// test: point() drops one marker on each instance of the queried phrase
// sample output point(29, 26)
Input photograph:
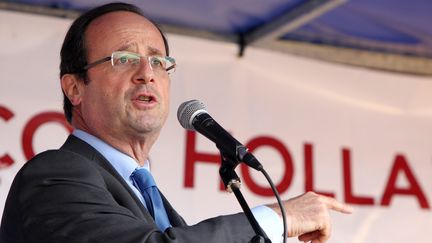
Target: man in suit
point(115, 68)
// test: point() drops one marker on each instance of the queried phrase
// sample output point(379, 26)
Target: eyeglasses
point(126, 60)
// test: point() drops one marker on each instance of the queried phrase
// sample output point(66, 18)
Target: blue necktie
point(145, 183)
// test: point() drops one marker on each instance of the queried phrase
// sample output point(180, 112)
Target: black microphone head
point(187, 112)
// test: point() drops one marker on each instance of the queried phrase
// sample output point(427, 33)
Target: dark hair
point(73, 53)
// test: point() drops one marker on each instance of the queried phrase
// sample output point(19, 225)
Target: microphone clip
point(228, 175)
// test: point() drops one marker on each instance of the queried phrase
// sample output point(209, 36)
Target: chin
point(148, 128)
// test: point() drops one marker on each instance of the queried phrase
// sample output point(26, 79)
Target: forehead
point(122, 31)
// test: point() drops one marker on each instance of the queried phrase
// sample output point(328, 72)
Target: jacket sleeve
point(63, 197)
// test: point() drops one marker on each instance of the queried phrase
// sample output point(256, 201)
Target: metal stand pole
point(232, 184)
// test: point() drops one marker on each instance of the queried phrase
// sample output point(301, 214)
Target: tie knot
point(143, 178)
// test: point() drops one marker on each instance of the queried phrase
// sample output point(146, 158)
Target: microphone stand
point(232, 184)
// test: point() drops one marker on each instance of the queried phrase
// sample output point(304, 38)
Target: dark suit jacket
point(73, 195)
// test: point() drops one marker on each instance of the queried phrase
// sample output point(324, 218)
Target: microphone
point(193, 115)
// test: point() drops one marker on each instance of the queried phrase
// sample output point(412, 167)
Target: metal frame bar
point(291, 20)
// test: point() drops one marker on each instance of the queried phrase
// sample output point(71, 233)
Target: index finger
point(337, 206)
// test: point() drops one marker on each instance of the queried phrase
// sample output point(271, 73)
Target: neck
point(137, 147)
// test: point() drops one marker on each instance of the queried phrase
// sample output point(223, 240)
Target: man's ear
point(73, 88)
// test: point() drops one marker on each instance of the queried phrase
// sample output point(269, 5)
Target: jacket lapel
point(115, 183)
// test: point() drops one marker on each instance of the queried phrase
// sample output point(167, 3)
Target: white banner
point(361, 136)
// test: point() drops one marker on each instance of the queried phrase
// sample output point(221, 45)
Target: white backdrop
point(363, 136)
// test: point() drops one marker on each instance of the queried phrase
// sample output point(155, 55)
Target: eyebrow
point(126, 47)
point(151, 50)
point(154, 51)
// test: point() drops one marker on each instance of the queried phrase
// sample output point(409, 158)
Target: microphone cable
point(281, 206)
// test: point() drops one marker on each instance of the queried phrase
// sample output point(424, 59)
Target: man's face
point(127, 103)
point(124, 104)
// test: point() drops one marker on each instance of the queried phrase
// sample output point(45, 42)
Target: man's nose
point(144, 73)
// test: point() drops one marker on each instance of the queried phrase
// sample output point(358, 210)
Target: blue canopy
point(386, 34)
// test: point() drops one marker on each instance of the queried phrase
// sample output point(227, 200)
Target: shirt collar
point(122, 163)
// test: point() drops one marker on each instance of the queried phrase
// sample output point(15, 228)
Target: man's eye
point(127, 60)
point(157, 62)
point(123, 60)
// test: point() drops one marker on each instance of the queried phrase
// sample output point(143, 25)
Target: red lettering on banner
point(288, 170)
point(34, 123)
point(6, 160)
point(349, 196)
point(401, 166)
point(309, 175)
point(5, 113)
point(193, 157)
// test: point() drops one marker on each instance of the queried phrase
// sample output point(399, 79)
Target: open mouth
point(145, 98)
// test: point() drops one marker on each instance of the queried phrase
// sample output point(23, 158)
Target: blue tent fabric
point(396, 27)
